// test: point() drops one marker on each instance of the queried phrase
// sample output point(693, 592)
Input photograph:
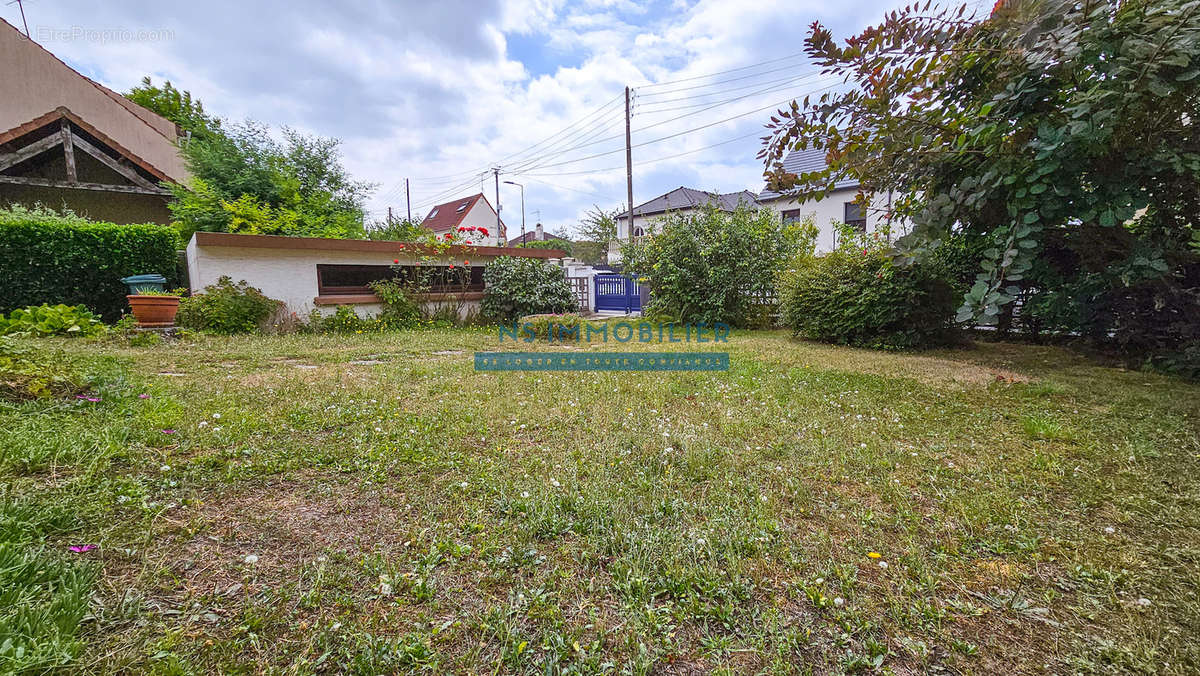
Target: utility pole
point(499, 228)
point(408, 200)
point(389, 215)
point(628, 163)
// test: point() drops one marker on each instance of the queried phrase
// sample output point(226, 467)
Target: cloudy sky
point(439, 92)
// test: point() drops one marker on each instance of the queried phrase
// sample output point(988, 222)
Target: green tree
point(175, 105)
point(598, 225)
point(245, 181)
point(1062, 132)
point(711, 266)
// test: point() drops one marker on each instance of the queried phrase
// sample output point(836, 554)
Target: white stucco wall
point(289, 275)
point(826, 212)
point(480, 215)
point(647, 223)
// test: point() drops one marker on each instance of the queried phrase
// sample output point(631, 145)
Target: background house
point(538, 234)
point(678, 201)
point(67, 141)
point(838, 207)
point(467, 212)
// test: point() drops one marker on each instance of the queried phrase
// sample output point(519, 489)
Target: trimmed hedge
point(49, 258)
point(859, 297)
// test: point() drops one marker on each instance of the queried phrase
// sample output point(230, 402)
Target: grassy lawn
point(370, 503)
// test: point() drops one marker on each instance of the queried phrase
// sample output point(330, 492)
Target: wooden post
point(68, 151)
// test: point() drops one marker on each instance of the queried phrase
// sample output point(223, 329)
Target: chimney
point(537, 229)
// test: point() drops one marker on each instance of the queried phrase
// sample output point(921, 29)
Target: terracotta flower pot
point(154, 312)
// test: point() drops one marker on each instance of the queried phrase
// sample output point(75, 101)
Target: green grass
point(1032, 512)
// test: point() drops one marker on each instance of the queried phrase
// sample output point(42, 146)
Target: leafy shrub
point(525, 286)
point(859, 296)
point(715, 267)
point(29, 373)
point(49, 258)
point(344, 320)
point(226, 308)
point(52, 320)
point(400, 306)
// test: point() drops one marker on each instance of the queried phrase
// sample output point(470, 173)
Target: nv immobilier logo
point(621, 333)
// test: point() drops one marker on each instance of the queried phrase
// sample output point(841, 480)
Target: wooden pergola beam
point(32, 150)
point(109, 162)
point(102, 187)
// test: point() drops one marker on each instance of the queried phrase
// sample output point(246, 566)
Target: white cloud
point(435, 91)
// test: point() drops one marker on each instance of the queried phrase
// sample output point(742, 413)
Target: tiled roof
point(447, 216)
point(689, 198)
point(804, 162)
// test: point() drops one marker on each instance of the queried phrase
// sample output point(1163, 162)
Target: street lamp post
point(522, 187)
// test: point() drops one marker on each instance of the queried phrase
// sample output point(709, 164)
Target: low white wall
point(289, 275)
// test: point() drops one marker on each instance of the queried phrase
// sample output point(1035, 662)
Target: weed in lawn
point(415, 515)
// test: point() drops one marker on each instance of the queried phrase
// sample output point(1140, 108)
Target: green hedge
point(49, 258)
point(860, 297)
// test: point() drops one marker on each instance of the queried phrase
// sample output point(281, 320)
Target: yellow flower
point(874, 555)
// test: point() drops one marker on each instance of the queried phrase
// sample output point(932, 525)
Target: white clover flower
point(1110, 530)
point(165, 468)
point(216, 416)
point(524, 494)
point(554, 482)
point(251, 559)
point(839, 602)
point(883, 565)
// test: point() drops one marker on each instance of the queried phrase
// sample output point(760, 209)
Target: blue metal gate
point(617, 292)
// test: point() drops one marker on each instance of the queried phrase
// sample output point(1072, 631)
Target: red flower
point(395, 260)
point(452, 266)
point(483, 231)
point(448, 235)
point(461, 228)
point(466, 262)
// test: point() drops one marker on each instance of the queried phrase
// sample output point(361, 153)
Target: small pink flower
point(93, 399)
point(143, 396)
point(168, 431)
point(79, 549)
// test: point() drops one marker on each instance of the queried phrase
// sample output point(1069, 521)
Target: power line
point(722, 72)
point(651, 95)
point(785, 80)
point(657, 159)
point(658, 124)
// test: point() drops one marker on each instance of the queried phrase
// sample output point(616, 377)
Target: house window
point(345, 280)
point(793, 216)
point(854, 216)
point(638, 233)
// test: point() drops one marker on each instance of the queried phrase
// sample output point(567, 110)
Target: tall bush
point(713, 266)
point(857, 295)
point(51, 258)
point(525, 286)
point(227, 308)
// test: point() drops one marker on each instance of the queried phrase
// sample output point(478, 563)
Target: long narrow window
point(342, 280)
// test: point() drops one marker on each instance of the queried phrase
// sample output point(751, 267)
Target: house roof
point(38, 86)
point(804, 162)
point(690, 198)
point(448, 215)
point(531, 236)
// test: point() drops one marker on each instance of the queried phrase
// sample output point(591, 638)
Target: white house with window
point(837, 207)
